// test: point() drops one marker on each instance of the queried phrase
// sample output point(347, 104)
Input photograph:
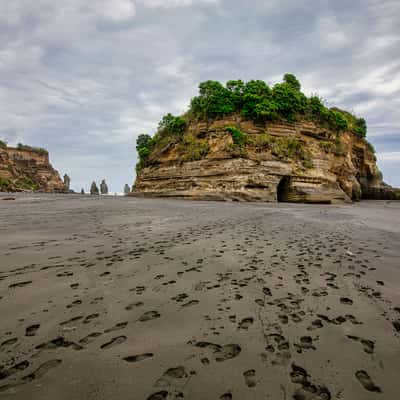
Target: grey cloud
point(84, 80)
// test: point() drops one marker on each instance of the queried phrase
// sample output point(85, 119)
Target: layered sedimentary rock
point(27, 169)
point(329, 169)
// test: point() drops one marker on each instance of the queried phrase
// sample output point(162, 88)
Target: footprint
point(149, 315)
point(42, 370)
point(8, 342)
point(90, 338)
point(368, 345)
point(19, 284)
point(226, 396)
point(117, 327)
point(366, 381)
point(5, 373)
point(113, 342)
point(31, 330)
point(170, 375)
point(250, 378)
point(137, 304)
point(159, 395)
point(228, 351)
point(139, 357)
point(190, 303)
point(58, 342)
point(90, 318)
point(245, 323)
point(346, 300)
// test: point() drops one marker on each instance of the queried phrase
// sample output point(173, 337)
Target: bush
point(4, 183)
point(214, 101)
point(288, 101)
point(239, 138)
point(336, 120)
point(3, 144)
point(307, 163)
point(360, 127)
point(144, 146)
point(171, 125)
point(292, 81)
point(193, 149)
point(38, 150)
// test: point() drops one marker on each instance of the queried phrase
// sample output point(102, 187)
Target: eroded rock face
point(67, 183)
point(94, 189)
point(334, 171)
point(22, 170)
point(103, 187)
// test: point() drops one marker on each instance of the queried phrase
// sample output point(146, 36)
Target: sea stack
point(250, 142)
point(94, 190)
point(103, 187)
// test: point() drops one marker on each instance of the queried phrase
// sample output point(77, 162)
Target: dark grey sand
point(124, 298)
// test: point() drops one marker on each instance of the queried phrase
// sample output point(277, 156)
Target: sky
point(83, 78)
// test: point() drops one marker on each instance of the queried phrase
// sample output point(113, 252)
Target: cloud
point(84, 79)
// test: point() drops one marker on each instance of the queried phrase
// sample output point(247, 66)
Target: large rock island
point(26, 168)
point(246, 141)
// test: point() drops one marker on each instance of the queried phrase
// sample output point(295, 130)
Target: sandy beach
point(127, 298)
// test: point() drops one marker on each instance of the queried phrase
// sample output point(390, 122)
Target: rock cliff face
point(295, 162)
point(27, 169)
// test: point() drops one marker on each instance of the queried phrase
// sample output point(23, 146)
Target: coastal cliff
point(314, 155)
point(26, 168)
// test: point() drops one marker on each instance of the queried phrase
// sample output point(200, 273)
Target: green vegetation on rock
point(3, 144)
point(193, 149)
point(38, 150)
point(255, 101)
point(4, 183)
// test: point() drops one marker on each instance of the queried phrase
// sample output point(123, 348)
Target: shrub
point(288, 101)
point(144, 146)
point(261, 142)
point(193, 149)
point(337, 120)
point(171, 125)
point(360, 127)
point(239, 138)
point(213, 101)
point(4, 183)
point(236, 151)
point(292, 81)
point(307, 163)
point(3, 144)
point(38, 150)
point(315, 106)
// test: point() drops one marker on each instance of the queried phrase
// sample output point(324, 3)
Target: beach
point(105, 297)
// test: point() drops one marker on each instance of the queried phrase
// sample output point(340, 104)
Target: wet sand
point(124, 298)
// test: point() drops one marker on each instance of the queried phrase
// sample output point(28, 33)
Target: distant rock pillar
point(67, 182)
point(82, 191)
point(103, 187)
point(94, 189)
point(127, 189)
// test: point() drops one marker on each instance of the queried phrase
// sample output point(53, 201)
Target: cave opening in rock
point(283, 188)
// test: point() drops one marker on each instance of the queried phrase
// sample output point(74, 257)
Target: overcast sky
point(83, 78)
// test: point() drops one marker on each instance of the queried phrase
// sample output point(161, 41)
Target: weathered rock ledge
point(27, 170)
point(330, 175)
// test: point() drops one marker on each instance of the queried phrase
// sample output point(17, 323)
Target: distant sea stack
point(26, 168)
point(250, 142)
